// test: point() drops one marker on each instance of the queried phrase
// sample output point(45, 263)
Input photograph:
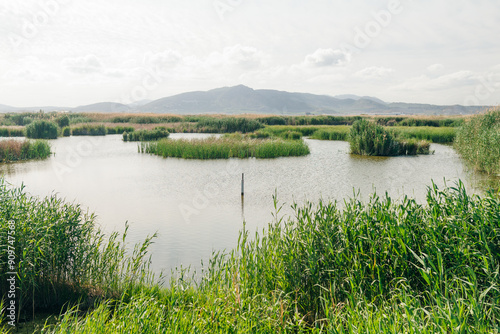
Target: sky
point(75, 52)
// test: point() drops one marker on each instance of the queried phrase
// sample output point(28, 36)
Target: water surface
point(196, 206)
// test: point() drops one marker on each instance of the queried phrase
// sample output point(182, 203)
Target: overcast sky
point(74, 52)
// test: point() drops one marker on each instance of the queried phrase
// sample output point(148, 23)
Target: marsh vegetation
point(15, 150)
point(228, 146)
point(375, 266)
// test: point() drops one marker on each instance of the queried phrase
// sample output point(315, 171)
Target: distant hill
point(103, 107)
point(243, 99)
point(239, 99)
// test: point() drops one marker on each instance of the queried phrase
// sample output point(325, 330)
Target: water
point(196, 206)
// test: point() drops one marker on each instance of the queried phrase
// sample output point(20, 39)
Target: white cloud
point(435, 68)
point(243, 57)
point(162, 60)
point(83, 65)
point(326, 57)
point(374, 72)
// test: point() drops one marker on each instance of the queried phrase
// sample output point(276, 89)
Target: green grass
point(15, 150)
point(478, 142)
point(380, 266)
point(61, 258)
point(146, 135)
point(118, 130)
point(11, 132)
point(339, 132)
point(89, 130)
point(443, 135)
point(234, 146)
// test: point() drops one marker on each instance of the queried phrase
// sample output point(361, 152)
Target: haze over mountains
point(242, 99)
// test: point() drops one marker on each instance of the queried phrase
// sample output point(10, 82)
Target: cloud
point(244, 57)
point(326, 58)
point(374, 72)
point(435, 68)
point(83, 65)
point(163, 60)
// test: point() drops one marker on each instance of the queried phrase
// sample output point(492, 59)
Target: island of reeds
point(380, 266)
point(146, 135)
point(225, 147)
point(16, 150)
point(368, 138)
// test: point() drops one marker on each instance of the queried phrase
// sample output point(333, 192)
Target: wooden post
point(242, 184)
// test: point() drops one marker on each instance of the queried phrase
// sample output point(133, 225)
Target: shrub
point(41, 130)
point(62, 121)
point(66, 132)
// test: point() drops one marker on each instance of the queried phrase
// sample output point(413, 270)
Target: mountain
point(5, 108)
point(241, 99)
point(103, 107)
point(357, 97)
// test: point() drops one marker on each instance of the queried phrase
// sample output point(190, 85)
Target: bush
point(66, 132)
point(63, 121)
point(41, 130)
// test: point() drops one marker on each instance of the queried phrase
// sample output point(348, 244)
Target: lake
point(196, 206)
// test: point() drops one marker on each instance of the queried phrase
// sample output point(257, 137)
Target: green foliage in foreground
point(60, 257)
point(371, 267)
point(234, 146)
point(478, 142)
point(41, 130)
point(368, 138)
point(89, 130)
point(146, 135)
point(15, 150)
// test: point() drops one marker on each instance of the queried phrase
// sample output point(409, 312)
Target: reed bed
point(339, 132)
point(11, 132)
point(118, 130)
point(15, 150)
point(478, 142)
point(61, 257)
point(368, 138)
point(146, 135)
point(89, 130)
point(381, 266)
point(235, 146)
point(443, 135)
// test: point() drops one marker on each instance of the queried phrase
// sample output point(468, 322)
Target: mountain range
point(242, 99)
